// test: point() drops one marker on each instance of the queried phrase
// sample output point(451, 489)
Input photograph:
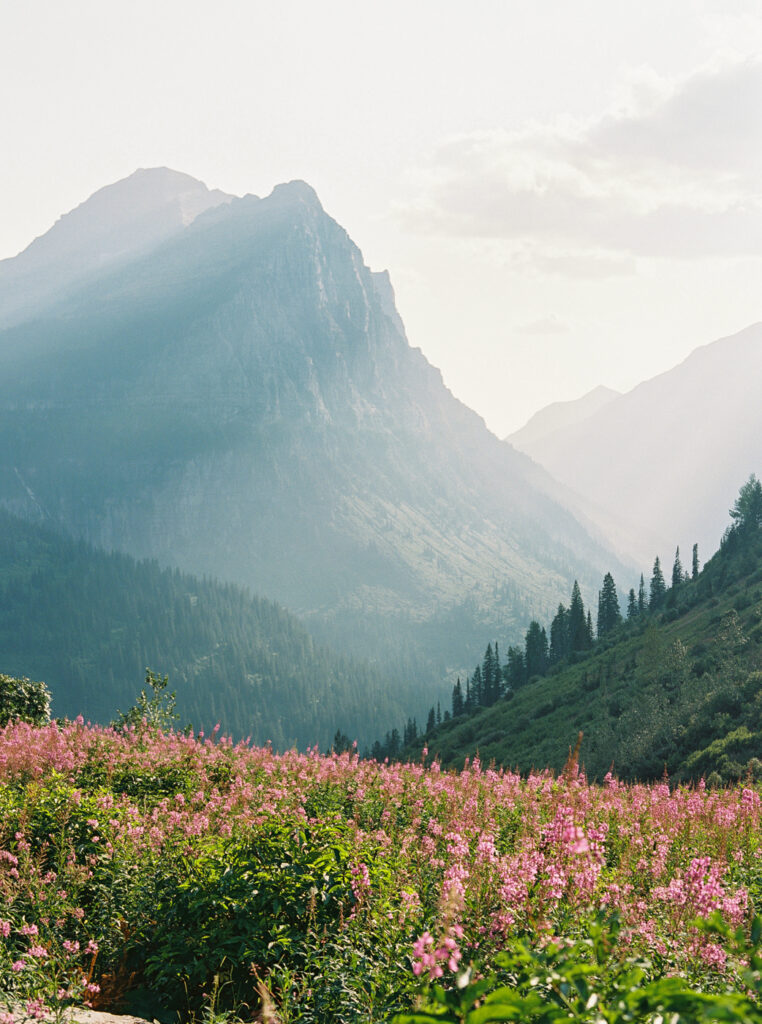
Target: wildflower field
point(218, 879)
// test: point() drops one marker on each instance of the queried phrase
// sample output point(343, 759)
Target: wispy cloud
point(674, 171)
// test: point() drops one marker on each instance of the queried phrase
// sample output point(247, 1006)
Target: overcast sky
point(565, 193)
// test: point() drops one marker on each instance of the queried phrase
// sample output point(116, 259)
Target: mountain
point(677, 689)
point(652, 468)
point(239, 399)
point(116, 223)
point(559, 416)
point(88, 623)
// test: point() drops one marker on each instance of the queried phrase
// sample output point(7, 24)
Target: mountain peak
point(119, 221)
point(133, 213)
point(296, 191)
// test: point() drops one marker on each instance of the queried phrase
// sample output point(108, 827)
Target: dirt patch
point(84, 1016)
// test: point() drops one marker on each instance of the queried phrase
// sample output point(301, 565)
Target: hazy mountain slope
point(114, 224)
point(560, 416)
point(679, 689)
point(242, 401)
point(657, 463)
point(88, 623)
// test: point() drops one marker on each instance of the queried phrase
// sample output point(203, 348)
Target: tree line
point(572, 635)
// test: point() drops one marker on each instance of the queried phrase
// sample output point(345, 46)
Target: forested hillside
point(672, 684)
point(88, 623)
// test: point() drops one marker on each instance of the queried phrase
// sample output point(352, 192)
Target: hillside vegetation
point(88, 623)
point(677, 688)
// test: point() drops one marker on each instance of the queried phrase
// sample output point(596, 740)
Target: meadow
point(216, 881)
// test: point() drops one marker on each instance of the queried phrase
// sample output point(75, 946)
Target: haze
point(564, 195)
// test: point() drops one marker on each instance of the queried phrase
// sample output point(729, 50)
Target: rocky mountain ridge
point(241, 400)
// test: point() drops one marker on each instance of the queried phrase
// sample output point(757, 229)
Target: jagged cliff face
point(241, 400)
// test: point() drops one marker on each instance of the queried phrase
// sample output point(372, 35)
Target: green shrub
point(23, 699)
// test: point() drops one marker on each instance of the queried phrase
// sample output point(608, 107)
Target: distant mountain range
point(653, 468)
point(560, 416)
point(223, 385)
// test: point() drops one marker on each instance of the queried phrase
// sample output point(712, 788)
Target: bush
point(23, 700)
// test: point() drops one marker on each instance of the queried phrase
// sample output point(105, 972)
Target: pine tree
point(439, 714)
point(431, 720)
point(609, 615)
point(642, 603)
point(695, 563)
point(658, 587)
point(536, 650)
point(490, 678)
point(579, 634)
point(559, 635)
point(677, 570)
point(632, 605)
point(477, 688)
point(457, 700)
point(747, 510)
point(515, 669)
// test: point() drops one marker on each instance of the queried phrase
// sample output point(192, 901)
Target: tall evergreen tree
point(477, 688)
point(642, 603)
point(746, 513)
point(695, 563)
point(658, 587)
point(457, 700)
point(579, 635)
point(559, 635)
point(677, 570)
point(632, 605)
point(490, 678)
point(536, 650)
point(609, 615)
point(515, 669)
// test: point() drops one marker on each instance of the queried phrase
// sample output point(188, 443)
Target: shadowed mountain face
point(654, 467)
point(240, 400)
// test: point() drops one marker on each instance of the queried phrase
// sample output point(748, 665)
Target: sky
point(564, 194)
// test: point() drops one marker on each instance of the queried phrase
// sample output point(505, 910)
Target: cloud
point(710, 122)
point(674, 172)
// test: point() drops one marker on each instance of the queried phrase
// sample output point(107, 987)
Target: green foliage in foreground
point(220, 879)
point(594, 980)
point(24, 700)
